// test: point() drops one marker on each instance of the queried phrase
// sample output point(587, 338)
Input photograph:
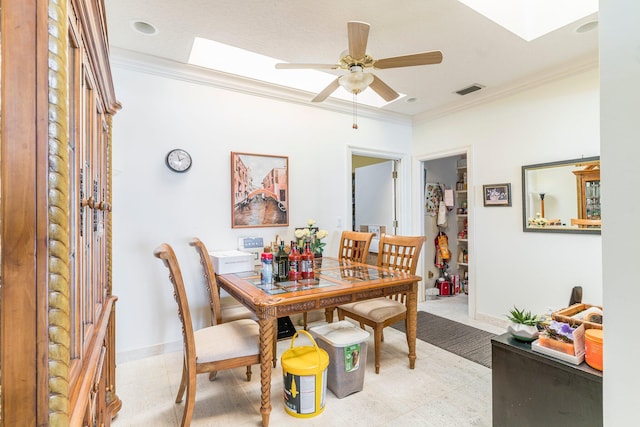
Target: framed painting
point(497, 194)
point(259, 190)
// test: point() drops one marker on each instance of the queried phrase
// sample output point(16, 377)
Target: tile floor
point(443, 390)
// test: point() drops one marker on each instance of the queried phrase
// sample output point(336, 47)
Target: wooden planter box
point(565, 315)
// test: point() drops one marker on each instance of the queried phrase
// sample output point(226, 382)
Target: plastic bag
point(442, 215)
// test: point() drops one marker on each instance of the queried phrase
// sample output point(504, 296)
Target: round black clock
point(178, 160)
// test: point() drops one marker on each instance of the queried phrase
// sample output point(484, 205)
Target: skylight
point(228, 59)
point(530, 19)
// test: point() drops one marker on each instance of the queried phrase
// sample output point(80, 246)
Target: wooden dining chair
point(354, 245)
point(219, 312)
point(396, 253)
point(211, 349)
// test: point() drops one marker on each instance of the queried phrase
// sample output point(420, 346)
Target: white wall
point(555, 121)
point(153, 205)
point(620, 70)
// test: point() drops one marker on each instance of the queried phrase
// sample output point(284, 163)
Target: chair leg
point(191, 401)
point(248, 372)
point(340, 314)
point(183, 382)
point(377, 341)
point(212, 375)
point(304, 320)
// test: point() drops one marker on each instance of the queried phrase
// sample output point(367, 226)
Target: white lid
point(230, 253)
point(340, 333)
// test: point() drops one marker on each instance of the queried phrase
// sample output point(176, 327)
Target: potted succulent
point(523, 325)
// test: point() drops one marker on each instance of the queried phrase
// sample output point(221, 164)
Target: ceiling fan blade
point(287, 66)
point(358, 33)
point(327, 91)
point(425, 58)
point(382, 89)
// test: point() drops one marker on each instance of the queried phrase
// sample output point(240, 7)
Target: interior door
point(374, 196)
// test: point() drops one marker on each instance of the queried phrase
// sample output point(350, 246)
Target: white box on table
point(225, 262)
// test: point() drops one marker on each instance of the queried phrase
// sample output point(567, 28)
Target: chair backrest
point(400, 252)
point(168, 256)
point(354, 245)
point(210, 278)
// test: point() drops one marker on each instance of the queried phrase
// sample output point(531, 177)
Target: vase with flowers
point(313, 235)
point(538, 221)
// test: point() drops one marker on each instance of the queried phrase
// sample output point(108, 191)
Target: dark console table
point(532, 389)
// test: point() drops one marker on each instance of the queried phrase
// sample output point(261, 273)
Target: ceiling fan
point(356, 61)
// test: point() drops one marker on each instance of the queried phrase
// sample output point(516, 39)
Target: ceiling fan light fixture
point(356, 81)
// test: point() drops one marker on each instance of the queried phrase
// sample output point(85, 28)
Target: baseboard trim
point(142, 353)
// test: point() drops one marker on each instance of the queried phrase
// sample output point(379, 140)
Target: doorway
point(374, 191)
point(449, 171)
point(378, 197)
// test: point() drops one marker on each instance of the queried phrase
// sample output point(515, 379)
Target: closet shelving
point(462, 260)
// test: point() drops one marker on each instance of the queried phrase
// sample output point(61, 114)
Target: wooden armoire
point(57, 311)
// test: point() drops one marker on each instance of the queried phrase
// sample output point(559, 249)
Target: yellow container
point(304, 371)
point(593, 348)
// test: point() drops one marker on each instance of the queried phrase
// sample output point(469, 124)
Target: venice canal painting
point(259, 190)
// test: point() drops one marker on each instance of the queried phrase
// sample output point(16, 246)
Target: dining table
point(335, 282)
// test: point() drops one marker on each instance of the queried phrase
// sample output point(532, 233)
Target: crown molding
point(194, 74)
point(488, 95)
point(162, 67)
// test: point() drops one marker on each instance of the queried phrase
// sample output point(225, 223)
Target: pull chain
point(355, 111)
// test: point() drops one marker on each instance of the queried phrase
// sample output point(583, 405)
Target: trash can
point(304, 372)
point(346, 345)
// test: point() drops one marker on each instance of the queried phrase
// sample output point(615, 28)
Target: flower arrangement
point(538, 221)
point(312, 235)
point(559, 331)
point(563, 337)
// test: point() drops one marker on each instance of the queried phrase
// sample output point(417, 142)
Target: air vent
point(469, 89)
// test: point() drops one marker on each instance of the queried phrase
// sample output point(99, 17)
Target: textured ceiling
point(475, 49)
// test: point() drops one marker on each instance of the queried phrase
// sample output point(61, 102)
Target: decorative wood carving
point(334, 301)
point(81, 343)
point(297, 308)
point(374, 293)
point(59, 248)
point(398, 289)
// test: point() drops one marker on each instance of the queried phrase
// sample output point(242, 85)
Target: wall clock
point(178, 160)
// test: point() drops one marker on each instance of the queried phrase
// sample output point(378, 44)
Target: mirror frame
point(527, 229)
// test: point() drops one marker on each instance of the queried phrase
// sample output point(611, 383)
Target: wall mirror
point(562, 197)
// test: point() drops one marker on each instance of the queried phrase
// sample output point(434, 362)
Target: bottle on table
point(294, 263)
point(267, 268)
point(281, 268)
point(306, 262)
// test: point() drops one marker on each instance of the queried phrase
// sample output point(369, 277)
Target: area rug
point(465, 341)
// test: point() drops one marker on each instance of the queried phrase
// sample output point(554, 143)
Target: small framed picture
point(497, 194)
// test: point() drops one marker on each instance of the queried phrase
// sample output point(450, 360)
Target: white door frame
point(419, 212)
point(403, 200)
point(404, 170)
